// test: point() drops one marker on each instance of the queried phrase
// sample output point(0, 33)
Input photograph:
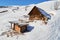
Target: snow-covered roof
point(44, 13)
point(19, 23)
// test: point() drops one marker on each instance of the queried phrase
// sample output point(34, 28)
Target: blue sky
point(19, 2)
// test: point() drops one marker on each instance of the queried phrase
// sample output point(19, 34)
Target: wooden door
point(17, 28)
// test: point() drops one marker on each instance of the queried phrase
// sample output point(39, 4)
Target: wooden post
point(11, 25)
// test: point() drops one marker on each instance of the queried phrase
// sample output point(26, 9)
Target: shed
point(19, 27)
point(38, 14)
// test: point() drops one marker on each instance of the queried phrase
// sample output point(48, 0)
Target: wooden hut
point(38, 14)
point(20, 28)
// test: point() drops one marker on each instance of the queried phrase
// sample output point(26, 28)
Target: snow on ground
point(39, 31)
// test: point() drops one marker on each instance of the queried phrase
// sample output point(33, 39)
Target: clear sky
point(19, 2)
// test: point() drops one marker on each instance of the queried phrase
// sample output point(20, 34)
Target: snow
point(39, 31)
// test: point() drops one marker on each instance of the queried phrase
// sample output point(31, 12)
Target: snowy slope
point(40, 31)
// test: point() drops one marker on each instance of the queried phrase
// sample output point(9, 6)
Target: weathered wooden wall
point(35, 14)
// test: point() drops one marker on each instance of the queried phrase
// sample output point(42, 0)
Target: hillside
point(51, 31)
